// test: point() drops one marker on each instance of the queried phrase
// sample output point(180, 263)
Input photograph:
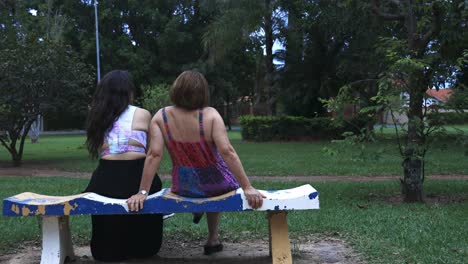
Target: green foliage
point(459, 98)
point(38, 79)
point(39, 73)
point(448, 118)
point(361, 152)
point(155, 97)
point(325, 50)
point(268, 128)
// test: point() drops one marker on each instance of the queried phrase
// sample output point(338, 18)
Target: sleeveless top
point(198, 170)
point(118, 137)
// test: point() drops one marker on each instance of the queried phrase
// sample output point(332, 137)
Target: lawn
point(272, 158)
point(358, 212)
point(449, 129)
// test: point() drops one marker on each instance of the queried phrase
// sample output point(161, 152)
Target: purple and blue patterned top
point(198, 170)
point(117, 140)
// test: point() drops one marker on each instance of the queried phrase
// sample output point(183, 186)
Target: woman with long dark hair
point(117, 134)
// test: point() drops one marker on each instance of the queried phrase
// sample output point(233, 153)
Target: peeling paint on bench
point(30, 204)
point(55, 211)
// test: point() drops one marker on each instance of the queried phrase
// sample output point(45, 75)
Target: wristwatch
point(143, 192)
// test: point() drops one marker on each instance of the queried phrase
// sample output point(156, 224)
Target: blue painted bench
point(55, 211)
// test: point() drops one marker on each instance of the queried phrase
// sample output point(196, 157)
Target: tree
point(37, 78)
point(416, 63)
point(459, 98)
point(328, 44)
point(252, 25)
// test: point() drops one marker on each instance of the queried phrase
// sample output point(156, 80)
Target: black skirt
point(120, 237)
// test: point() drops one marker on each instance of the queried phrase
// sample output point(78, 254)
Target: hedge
point(272, 128)
point(449, 118)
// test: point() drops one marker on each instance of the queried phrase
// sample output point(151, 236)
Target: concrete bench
point(55, 211)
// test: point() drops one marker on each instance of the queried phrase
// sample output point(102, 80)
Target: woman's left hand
point(254, 197)
point(135, 202)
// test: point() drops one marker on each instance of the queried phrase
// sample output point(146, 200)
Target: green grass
point(457, 129)
point(272, 158)
point(354, 211)
point(450, 129)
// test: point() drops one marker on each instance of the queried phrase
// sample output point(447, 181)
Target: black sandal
point(208, 250)
point(197, 217)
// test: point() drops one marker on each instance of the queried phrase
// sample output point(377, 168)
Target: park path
point(32, 172)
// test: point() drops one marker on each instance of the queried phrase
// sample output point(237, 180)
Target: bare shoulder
point(142, 115)
point(158, 116)
point(211, 113)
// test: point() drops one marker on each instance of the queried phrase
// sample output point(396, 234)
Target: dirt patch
point(25, 171)
point(305, 251)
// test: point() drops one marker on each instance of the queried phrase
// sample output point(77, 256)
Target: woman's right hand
point(254, 197)
point(135, 202)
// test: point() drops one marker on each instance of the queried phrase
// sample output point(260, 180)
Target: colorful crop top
point(117, 140)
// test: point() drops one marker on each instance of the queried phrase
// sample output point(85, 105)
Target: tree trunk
point(258, 85)
point(228, 113)
point(15, 156)
point(413, 163)
point(16, 160)
point(412, 184)
point(271, 100)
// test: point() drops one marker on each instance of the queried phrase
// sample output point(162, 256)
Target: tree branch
point(435, 28)
point(5, 144)
point(27, 127)
point(394, 121)
point(396, 2)
point(362, 81)
point(384, 15)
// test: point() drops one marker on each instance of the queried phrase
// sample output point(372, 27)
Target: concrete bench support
point(280, 247)
point(56, 240)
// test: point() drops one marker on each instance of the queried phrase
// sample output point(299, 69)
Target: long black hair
point(113, 94)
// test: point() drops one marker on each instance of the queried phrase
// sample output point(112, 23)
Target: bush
point(448, 118)
point(155, 97)
point(268, 128)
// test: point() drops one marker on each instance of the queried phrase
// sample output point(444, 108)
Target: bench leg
point(56, 240)
point(280, 248)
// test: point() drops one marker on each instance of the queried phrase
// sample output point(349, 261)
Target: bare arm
point(220, 138)
point(152, 162)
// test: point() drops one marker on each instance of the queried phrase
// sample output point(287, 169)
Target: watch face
point(143, 192)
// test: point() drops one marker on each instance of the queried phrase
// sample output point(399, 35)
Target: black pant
point(120, 237)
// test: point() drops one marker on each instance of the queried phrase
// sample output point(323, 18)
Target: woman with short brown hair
point(204, 163)
point(190, 91)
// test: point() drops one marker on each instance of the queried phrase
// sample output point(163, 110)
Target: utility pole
point(98, 69)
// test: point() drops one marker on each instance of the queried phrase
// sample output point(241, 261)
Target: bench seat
point(55, 210)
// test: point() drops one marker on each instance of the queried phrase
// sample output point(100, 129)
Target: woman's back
point(198, 169)
point(127, 138)
point(204, 163)
point(185, 125)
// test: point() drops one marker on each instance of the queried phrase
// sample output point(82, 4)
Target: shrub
point(155, 97)
point(268, 128)
point(448, 118)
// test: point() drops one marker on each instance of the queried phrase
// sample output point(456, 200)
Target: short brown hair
point(190, 91)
